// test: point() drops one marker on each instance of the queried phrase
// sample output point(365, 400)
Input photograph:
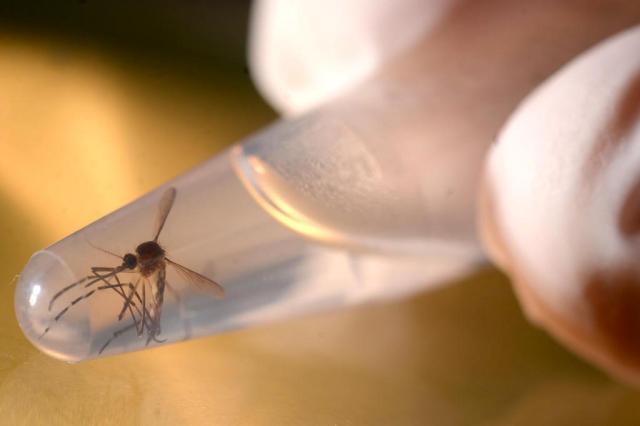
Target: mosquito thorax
point(130, 260)
point(149, 250)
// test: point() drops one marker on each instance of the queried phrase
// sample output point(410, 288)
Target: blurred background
point(100, 102)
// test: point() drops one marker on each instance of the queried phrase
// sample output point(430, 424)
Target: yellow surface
point(80, 135)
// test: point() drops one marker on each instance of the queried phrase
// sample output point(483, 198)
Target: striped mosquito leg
point(119, 289)
point(135, 324)
point(142, 314)
point(91, 278)
point(76, 301)
point(132, 304)
point(128, 299)
point(66, 309)
point(116, 334)
point(67, 288)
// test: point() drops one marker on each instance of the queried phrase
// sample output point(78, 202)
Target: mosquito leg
point(118, 289)
point(96, 272)
point(91, 278)
point(77, 300)
point(132, 304)
point(137, 324)
point(128, 299)
point(67, 288)
point(144, 313)
point(110, 272)
point(95, 269)
point(120, 286)
point(146, 317)
point(154, 338)
point(116, 334)
point(64, 311)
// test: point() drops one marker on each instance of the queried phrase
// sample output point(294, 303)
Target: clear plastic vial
point(308, 215)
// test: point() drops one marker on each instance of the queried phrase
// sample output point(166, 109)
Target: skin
point(445, 101)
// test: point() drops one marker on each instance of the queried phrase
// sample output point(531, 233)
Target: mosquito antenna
point(166, 203)
point(103, 250)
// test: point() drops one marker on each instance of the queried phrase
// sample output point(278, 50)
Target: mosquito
point(149, 265)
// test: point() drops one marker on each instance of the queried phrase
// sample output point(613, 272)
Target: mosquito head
point(130, 260)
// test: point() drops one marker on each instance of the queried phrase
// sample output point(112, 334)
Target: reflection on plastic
point(318, 177)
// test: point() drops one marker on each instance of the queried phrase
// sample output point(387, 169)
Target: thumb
point(561, 204)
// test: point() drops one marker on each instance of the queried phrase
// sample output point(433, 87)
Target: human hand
point(457, 71)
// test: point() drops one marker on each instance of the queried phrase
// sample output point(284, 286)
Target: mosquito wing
point(164, 208)
point(201, 281)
